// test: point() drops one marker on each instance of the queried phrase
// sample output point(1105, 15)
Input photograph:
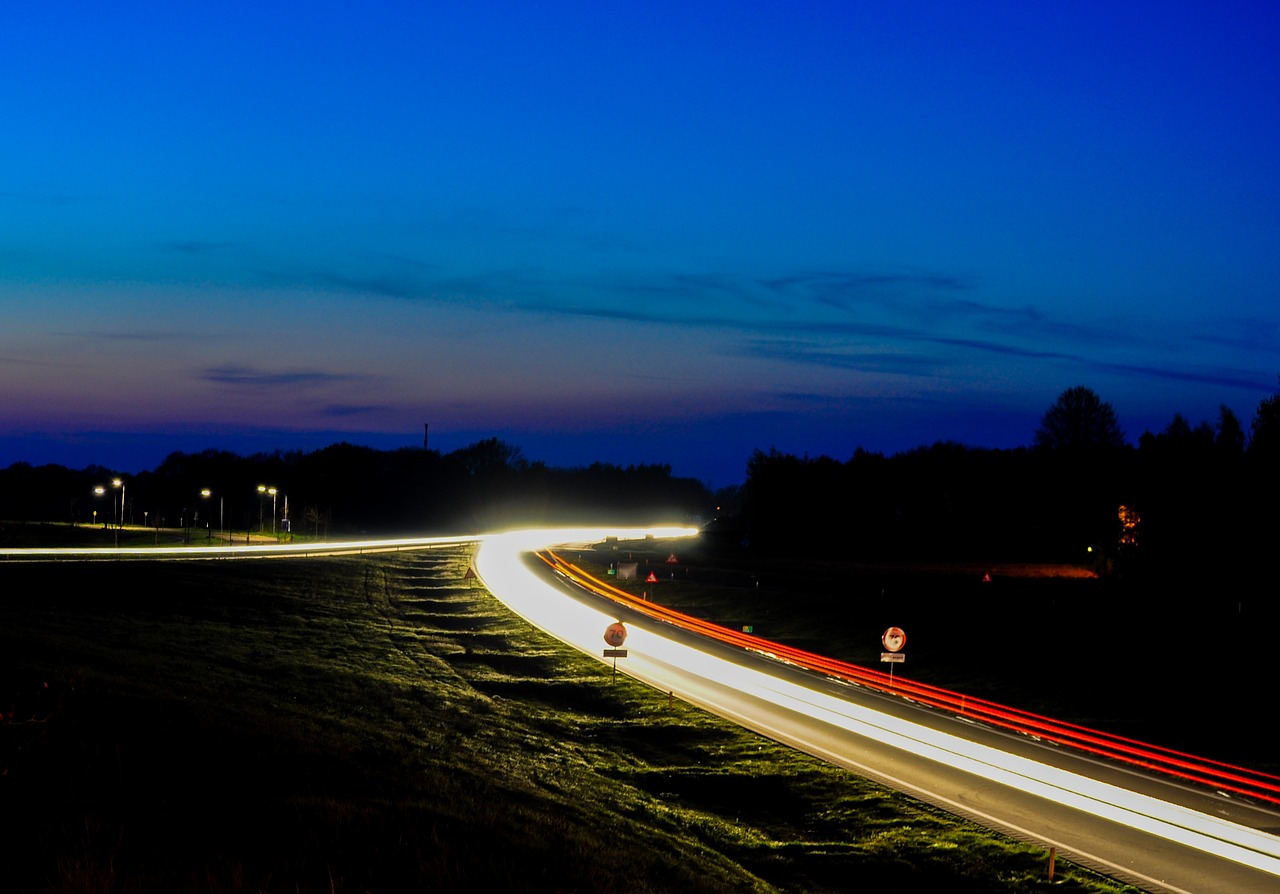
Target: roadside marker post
point(614, 636)
point(893, 640)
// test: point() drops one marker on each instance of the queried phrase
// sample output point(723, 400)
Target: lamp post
point(263, 490)
point(101, 491)
point(206, 494)
point(116, 482)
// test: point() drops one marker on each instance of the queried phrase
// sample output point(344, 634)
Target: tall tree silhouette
point(1077, 420)
point(1230, 436)
point(1264, 433)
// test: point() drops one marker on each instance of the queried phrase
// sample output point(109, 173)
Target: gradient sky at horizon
point(671, 233)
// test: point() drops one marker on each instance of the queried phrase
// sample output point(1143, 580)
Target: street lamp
point(263, 490)
point(206, 494)
point(116, 482)
point(100, 491)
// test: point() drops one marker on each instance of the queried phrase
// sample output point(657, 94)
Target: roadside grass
point(382, 724)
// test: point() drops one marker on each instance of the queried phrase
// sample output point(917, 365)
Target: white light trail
point(259, 550)
point(500, 565)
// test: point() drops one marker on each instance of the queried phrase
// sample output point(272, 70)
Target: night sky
point(672, 233)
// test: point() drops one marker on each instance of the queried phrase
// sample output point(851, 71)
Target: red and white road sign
point(894, 639)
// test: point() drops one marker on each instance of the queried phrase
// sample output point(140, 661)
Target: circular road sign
point(894, 639)
point(615, 634)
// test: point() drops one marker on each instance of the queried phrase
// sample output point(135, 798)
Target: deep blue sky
point(674, 233)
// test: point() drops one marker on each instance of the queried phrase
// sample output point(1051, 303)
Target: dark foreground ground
point(381, 724)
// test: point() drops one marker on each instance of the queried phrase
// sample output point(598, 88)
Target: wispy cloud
point(243, 376)
point(850, 290)
point(861, 319)
point(991, 347)
point(1254, 335)
point(860, 361)
point(1219, 377)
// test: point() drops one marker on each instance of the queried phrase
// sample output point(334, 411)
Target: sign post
point(614, 636)
point(893, 640)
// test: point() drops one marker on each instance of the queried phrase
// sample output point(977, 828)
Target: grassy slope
point(379, 724)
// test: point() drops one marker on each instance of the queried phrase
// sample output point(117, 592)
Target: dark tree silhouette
point(1079, 419)
point(1230, 435)
point(490, 456)
point(1264, 434)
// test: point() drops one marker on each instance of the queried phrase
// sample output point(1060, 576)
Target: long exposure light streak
point(246, 551)
point(500, 565)
point(1216, 774)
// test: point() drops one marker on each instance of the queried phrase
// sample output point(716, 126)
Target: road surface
point(1157, 833)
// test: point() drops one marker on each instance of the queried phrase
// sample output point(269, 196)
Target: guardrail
point(1213, 774)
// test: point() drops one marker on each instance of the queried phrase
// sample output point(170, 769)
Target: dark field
point(1184, 665)
point(380, 724)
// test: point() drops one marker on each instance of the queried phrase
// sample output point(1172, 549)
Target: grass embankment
point(380, 724)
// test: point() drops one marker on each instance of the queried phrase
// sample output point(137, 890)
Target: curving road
point(1157, 832)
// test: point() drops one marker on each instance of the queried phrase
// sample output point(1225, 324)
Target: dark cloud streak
point(254, 378)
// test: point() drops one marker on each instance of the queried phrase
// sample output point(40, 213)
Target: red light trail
point(1221, 776)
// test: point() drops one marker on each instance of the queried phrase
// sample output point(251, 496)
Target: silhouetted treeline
point(344, 489)
point(943, 502)
point(1187, 499)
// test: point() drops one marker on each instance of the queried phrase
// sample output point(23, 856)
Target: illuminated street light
point(206, 493)
point(263, 490)
point(116, 482)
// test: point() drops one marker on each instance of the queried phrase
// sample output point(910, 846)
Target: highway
point(1156, 830)
point(1161, 821)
